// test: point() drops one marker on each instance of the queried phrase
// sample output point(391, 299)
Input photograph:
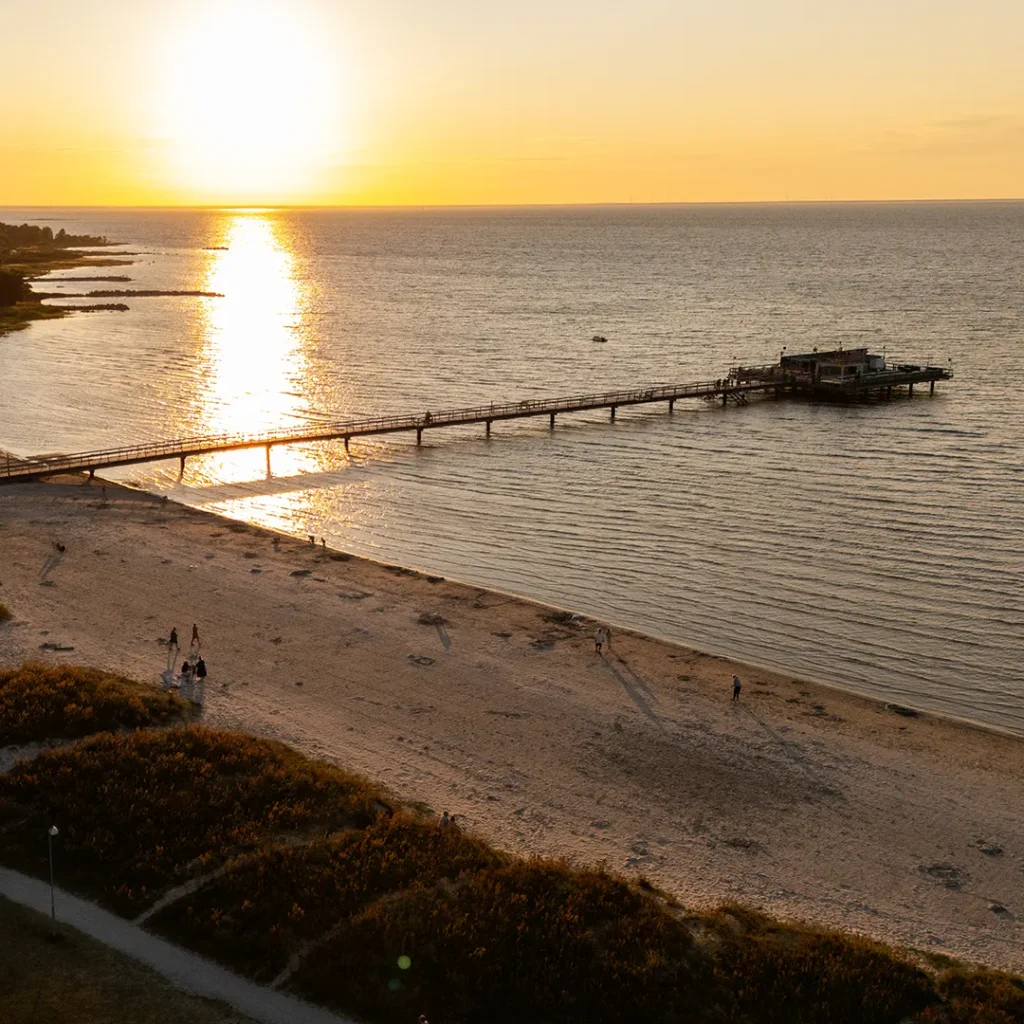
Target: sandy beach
point(807, 801)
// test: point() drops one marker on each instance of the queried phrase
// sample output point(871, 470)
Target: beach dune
point(801, 799)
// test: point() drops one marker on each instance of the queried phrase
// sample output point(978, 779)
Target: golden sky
point(323, 102)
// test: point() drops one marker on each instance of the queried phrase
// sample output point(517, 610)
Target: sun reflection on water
point(254, 370)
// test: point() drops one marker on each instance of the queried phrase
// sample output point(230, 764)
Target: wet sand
point(804, 800)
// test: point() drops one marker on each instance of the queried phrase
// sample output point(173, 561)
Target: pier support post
point(671, 405)
point(268, 460)
point(488, 428)
point(181, 471)
point(419, 435)
point(346, 443)
point(931, 388)
point(92, 472)
point(888, 392)
point(725, 397)
point(910, 390)
point(552, 421)
point(613, 414)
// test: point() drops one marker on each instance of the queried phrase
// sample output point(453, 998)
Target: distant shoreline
point(35, 263)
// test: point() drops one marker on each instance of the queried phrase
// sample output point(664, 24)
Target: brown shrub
point(141, 811)
point(265, 907)
point(976, 997)
point(776, 973)
point(531, 941)
point(39, 702)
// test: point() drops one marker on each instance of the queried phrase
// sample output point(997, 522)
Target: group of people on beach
point(190, 680)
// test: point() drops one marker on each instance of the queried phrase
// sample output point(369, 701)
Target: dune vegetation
point(143, 811)
point(41, 702)
point(312, 878)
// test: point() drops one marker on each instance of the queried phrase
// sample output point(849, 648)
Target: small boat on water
point(600, 338)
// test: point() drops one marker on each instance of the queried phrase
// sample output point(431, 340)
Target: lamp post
point(51, 832)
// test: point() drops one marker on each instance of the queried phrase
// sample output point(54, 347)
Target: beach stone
point(999, 909)
point(899, 709)
point(301, 572)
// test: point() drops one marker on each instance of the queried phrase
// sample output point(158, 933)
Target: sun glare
point(252, 103)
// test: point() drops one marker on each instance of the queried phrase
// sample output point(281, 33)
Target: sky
point(465, 102)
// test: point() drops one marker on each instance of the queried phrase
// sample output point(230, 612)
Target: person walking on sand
point(736, 686)
point(195, 638)
point(200, 669)
point(173, 641)
point(599, 638)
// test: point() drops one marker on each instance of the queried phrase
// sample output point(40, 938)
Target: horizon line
point(263, 207)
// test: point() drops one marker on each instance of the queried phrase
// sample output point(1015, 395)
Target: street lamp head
point(53, 830)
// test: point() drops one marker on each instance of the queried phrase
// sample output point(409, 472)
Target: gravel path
point(187, 971)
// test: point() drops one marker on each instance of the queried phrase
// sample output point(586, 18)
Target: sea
point(876, 546)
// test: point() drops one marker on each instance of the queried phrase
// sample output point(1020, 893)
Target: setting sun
point(251, 102)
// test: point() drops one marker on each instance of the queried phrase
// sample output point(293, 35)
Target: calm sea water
point(880, 547)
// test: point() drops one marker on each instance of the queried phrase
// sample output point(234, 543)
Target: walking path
point(187, 971)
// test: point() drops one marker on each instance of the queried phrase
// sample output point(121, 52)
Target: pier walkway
point(726, 390)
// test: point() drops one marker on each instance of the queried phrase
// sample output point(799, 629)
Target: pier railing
point(732, 387)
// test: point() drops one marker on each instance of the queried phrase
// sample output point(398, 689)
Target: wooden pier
point(734, 388)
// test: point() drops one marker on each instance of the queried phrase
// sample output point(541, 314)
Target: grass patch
point(75, 980)
point(531, 941)
point(40, 702)
point(140, 812)
point(264, 907)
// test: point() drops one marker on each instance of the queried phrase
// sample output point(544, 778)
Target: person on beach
point(195, 637)
point(185, 676)
point(173, 641)
point(323, 544)
point(445, 820)
point(736, 687)
point(200, 669)
point(599, 639)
